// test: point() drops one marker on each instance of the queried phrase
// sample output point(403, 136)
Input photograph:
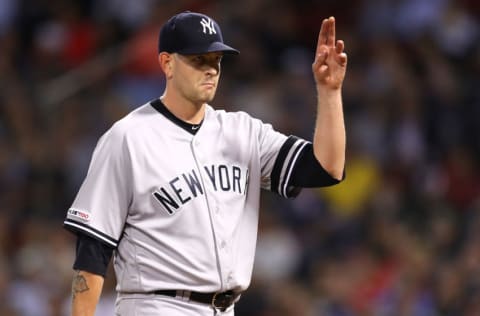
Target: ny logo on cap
point(208, 24)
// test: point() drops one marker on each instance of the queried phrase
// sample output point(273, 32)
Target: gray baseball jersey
point(181, 209)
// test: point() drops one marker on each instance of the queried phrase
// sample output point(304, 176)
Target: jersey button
point(223, 244)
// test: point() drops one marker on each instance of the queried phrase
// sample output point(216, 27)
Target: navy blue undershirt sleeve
point(309, 173)
point(92, 255)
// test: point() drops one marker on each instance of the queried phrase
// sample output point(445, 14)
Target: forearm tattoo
point(79, 284)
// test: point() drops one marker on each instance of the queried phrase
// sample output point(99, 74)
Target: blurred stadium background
point(401, 235)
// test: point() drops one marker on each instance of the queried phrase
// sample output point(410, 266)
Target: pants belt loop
point(184, 295)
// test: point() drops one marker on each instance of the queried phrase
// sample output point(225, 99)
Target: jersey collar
point(158, 105)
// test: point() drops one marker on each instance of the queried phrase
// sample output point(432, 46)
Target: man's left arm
point(329, 69)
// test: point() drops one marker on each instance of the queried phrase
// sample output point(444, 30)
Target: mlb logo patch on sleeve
point(79, 214)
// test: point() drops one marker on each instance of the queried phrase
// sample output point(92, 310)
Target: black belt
point(220, 300)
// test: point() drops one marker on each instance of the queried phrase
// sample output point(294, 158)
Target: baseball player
point(173, 188)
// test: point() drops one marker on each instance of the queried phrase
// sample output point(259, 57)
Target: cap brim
point(213, 47)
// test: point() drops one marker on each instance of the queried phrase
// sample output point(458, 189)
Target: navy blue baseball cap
point(189, 33)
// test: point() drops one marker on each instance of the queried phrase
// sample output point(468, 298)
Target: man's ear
point(166, 61)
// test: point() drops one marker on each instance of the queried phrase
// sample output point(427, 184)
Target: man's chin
point(207, 99)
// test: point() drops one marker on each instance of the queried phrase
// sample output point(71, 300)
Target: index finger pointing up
point(331, 31)
point(322, 36)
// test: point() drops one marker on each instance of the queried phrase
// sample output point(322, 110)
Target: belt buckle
point(222, 300)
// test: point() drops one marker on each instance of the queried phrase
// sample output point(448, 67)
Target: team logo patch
point(207, 24)
point(83, 215)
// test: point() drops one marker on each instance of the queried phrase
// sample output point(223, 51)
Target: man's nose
point(212, 69)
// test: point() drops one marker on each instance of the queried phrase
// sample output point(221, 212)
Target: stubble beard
point(205, 96)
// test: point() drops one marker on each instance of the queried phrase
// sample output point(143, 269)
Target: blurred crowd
point(399, 237)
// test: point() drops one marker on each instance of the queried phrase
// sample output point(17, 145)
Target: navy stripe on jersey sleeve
point(296, 167)
point(78, 227)
point(282, 169)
